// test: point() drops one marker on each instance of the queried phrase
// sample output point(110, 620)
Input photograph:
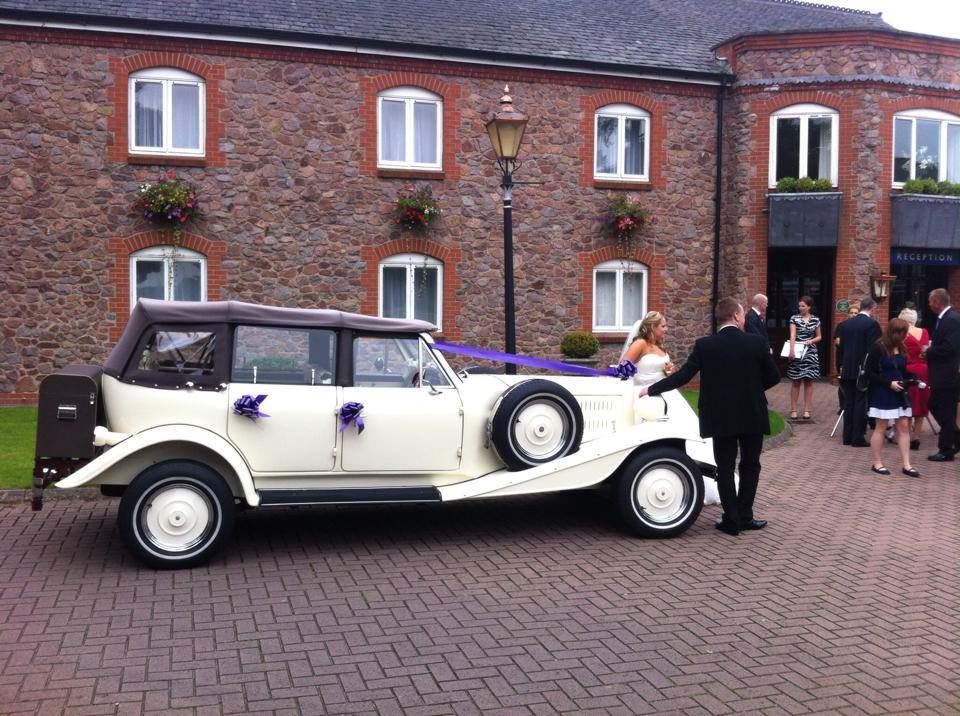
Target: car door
point(412, 414)
point(294, 369)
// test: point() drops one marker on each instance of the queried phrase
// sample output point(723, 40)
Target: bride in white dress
point(644, 347)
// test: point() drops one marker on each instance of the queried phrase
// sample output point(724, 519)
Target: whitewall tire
point(659, 492)
point(176, 514)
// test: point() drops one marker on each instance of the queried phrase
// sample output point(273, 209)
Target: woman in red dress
point(916, 364)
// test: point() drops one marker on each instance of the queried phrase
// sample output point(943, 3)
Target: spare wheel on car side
point(534, 422)
point(176, 514)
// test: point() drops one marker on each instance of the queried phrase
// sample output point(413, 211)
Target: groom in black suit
point(735, 371)
point(855, 336)
point(943, 360)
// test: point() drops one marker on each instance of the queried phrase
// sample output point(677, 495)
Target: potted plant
point(804, 212)
point(579, 347)
point(926, 214)
point(416, 208)
point(169, 201)
point(624, 217)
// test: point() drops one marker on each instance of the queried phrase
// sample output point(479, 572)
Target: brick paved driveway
point(847, 603)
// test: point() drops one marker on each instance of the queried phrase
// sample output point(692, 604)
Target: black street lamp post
point(506, 130)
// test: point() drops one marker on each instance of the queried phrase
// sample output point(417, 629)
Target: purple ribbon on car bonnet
point(350, 413)
point(249, 406)
point(624, 371)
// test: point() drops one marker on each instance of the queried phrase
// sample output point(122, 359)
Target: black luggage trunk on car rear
point(67, 413)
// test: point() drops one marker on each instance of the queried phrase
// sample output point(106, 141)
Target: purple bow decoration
point(350, 413)
point(249, 406)
point(624, 371)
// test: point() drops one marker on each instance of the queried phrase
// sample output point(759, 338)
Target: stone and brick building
point(300, 124)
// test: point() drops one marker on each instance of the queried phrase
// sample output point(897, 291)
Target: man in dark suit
point(735, 371)
point(756, 323)
point(855, 336)
point(943, 361)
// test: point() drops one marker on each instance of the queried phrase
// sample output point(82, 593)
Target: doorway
point(914, 282)
point(792, 273)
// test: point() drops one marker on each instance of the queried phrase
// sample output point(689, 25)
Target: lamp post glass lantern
point(506, 130)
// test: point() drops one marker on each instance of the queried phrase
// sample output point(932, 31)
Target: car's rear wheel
point(659, 492)
point(176, 514)
point(536, 421)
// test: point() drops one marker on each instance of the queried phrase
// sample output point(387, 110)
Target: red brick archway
point(450, 257)
point(119, 274)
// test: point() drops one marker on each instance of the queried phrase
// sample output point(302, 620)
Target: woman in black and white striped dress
point(804, 331)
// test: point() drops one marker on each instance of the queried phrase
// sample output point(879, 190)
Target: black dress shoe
point(753, 525)
point(941, 457)
point(728, 528)
point(914, 444)
point(860, 443)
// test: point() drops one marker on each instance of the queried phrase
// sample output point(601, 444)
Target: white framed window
point(619, 295)
point(803, 143)
point(167, 112)
point(411, 286)
point(409, 129)
point(621, 143)
point(167, 273)
point(926, 145)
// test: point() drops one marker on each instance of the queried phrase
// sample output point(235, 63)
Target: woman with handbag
point(804, 365)
point(885, 367)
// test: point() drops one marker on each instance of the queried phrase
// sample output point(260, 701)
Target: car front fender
point(167, 434)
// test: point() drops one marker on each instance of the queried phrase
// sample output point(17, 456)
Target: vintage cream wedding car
point(204, 408)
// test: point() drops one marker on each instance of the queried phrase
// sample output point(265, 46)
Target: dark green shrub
point(949, 188)
point(274, 363)
point(579, 344)
point(790, 185)
point(787, 185)
point(921, 186)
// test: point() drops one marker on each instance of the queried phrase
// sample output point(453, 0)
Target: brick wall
point(866, 109)
point(293, 211)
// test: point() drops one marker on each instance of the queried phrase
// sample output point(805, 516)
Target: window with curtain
point(168, 273)
point(621, 143)
point(619, 295)
point(166, 112)
point(803, 143)
point(409, 129)
point(926, 145)
point(411, 286)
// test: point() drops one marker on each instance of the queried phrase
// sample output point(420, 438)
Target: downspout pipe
point(718, 196)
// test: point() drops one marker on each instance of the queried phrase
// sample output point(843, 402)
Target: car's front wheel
point(659, 492)
point(176, 514)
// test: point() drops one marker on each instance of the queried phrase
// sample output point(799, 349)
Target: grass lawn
point(18, 433)
point(776, 420)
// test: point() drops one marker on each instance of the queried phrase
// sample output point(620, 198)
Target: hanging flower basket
point(169, 202)
point(624, 217)
point(416, 208)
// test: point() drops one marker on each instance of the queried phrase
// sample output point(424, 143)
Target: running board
point(349, 496)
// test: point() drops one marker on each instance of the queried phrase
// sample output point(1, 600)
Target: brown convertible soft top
point(150, 311)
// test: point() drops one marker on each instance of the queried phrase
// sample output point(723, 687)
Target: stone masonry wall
point(288, 208)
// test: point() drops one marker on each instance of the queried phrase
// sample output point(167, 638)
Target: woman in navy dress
point(804, 332)
point(887, 397)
